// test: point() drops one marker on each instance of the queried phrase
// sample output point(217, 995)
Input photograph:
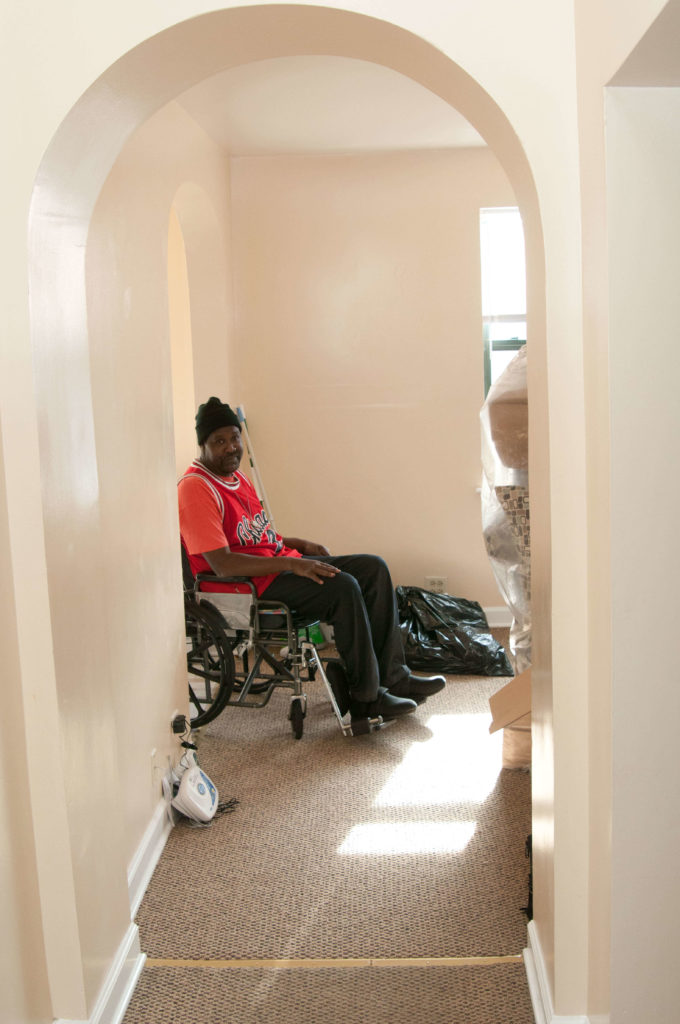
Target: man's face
point(222, 451)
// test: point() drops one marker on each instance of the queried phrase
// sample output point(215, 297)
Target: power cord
point(224, 807)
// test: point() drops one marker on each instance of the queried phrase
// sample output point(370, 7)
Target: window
point(504, 305)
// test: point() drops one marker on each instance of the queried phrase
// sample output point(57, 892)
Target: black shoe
point(419, 688)
point(386, 704)
point(335, 673)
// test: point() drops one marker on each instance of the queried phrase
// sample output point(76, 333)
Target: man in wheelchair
point(225, 531)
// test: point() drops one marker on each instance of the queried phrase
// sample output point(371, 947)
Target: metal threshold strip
point(418, 961)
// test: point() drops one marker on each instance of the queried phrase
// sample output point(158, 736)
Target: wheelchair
point(241, 648)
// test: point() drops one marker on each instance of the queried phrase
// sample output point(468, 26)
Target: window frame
point(498, 344)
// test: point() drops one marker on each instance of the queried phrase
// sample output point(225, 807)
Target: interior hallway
point(579, 100)
point(371, 878)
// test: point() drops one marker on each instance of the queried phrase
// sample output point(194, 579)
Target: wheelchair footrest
point(335, 680)
point(362, 726)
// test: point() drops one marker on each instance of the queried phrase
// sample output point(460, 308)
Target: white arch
point(72, 174)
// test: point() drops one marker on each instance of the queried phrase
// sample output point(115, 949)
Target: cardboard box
point(508, 411)
point(511, 712)
point(511, 703)
point(509, 424)
point(517, 746)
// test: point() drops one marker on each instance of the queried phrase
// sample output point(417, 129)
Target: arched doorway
point(95, 448)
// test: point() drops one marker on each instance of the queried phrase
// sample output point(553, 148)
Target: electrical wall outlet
point(437, 584)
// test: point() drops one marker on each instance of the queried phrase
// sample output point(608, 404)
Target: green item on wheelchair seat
point(314, 632)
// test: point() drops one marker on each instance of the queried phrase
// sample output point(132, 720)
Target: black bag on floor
point(448, 634)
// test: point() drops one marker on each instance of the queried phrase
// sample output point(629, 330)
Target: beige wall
point(643, 127)
point(604, 41)
point(23, 971)
point(181, 346)
point(357, 284)
point(169, 160)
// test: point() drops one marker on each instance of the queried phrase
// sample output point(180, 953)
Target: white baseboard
point(147, 855)
point(498, 616)
point(120, 982)
point(539, 989)
point(531, 968)
point(128, 962)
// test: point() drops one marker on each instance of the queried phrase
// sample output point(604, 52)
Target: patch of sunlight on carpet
point(459, 763)
point(387, 838)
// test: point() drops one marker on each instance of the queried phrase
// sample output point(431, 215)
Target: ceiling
point(322, 105)
point(655, 61)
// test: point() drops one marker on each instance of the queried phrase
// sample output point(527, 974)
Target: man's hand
point(231, 563)
point(306, 547)
point(315, 549)
point(313, 570)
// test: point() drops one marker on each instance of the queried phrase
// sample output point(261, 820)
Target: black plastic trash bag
point(448, 634)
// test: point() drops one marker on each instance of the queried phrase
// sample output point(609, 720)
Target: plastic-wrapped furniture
point(505, 499)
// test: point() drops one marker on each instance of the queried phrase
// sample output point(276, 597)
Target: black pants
point(360, 603)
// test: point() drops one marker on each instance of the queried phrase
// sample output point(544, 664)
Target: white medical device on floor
point(197, 795)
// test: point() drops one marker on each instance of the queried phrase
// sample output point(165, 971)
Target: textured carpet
point(289, 873)
point(398, 995)
point(408, 842)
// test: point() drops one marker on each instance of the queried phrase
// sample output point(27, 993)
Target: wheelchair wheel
point(210, 662)
point(297, 717)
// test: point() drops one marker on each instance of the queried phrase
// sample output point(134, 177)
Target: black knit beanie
point(212, 415)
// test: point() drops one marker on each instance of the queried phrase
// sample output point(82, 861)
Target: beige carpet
point(385, 995)
point(406, 843)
